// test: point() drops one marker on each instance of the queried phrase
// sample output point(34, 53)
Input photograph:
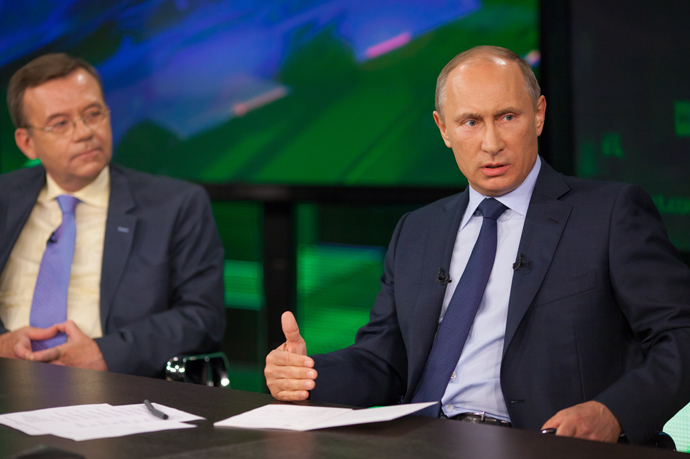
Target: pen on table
point(155, 412)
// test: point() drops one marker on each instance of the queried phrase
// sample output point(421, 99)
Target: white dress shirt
point(475, 385)
point(18, 277)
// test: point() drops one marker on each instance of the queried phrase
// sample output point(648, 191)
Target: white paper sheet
point(295, 417)
point(87, 422)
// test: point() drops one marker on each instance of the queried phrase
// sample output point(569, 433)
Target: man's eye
point(59, 125)
point(92, 115)
point(509, 117)
point(471, 123)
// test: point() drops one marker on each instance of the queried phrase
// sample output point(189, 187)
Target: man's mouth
point(88, 152)
point(492, 170)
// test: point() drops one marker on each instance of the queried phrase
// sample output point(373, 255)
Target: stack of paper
point(295, 417)
point(88, 422)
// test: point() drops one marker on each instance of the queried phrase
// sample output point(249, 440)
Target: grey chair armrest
point(207, 369)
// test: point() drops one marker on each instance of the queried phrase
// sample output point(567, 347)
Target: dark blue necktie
point(457, 322)
point(49, 304)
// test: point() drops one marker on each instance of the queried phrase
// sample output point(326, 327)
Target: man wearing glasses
point(101, 267)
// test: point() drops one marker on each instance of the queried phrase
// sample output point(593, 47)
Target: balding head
point(486, 53)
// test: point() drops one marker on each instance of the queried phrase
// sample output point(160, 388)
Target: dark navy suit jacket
point(601, 311)
point(162, 273)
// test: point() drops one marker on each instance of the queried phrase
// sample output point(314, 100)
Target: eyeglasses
point(64, 126)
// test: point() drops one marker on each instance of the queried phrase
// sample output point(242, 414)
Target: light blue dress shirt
point(475, 385)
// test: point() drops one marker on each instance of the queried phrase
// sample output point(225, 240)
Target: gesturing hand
point(289, 372)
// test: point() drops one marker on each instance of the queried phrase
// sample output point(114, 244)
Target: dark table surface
point(29, 386)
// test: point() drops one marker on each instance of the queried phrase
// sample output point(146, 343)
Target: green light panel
point(681, 111)
point(246, 377)
point(336, 288)
point(243, 285)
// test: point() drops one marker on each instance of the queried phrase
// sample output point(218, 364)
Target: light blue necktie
point(457, 322)
point(49, 305)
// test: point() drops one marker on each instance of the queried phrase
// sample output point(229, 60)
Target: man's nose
point(81, 130)
point(491, 141)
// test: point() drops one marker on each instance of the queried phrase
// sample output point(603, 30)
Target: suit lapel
point(18, 206)
point(438, 249)
point(544, 224)
point(119, 234)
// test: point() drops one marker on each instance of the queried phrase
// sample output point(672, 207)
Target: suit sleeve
point(192, 318)
point(374, 369)
point(652, 288)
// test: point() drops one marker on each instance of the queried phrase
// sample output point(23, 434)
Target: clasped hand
point(289, 371)
point(79, 351)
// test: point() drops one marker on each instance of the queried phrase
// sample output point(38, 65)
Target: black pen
point(155, 412)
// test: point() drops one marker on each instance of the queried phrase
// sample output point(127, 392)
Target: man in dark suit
point(584, 323)
point(144, 280)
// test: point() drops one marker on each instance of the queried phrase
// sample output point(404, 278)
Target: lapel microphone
point(53, 238)
point(520, 263)
point(443, 278)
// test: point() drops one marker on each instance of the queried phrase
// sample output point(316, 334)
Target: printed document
point(296, 417)
point(88, 422)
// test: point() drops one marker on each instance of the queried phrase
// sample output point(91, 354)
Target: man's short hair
point(482, 52)
point(35, 73)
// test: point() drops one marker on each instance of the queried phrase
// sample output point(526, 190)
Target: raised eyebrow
point(467, 116)
point(507, 110)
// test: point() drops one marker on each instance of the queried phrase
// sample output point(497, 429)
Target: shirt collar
point(517, 200)
point(96, 193)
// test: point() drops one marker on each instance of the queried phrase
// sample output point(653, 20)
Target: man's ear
point(25, 142)
point(540, 115)
point(442, 127)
